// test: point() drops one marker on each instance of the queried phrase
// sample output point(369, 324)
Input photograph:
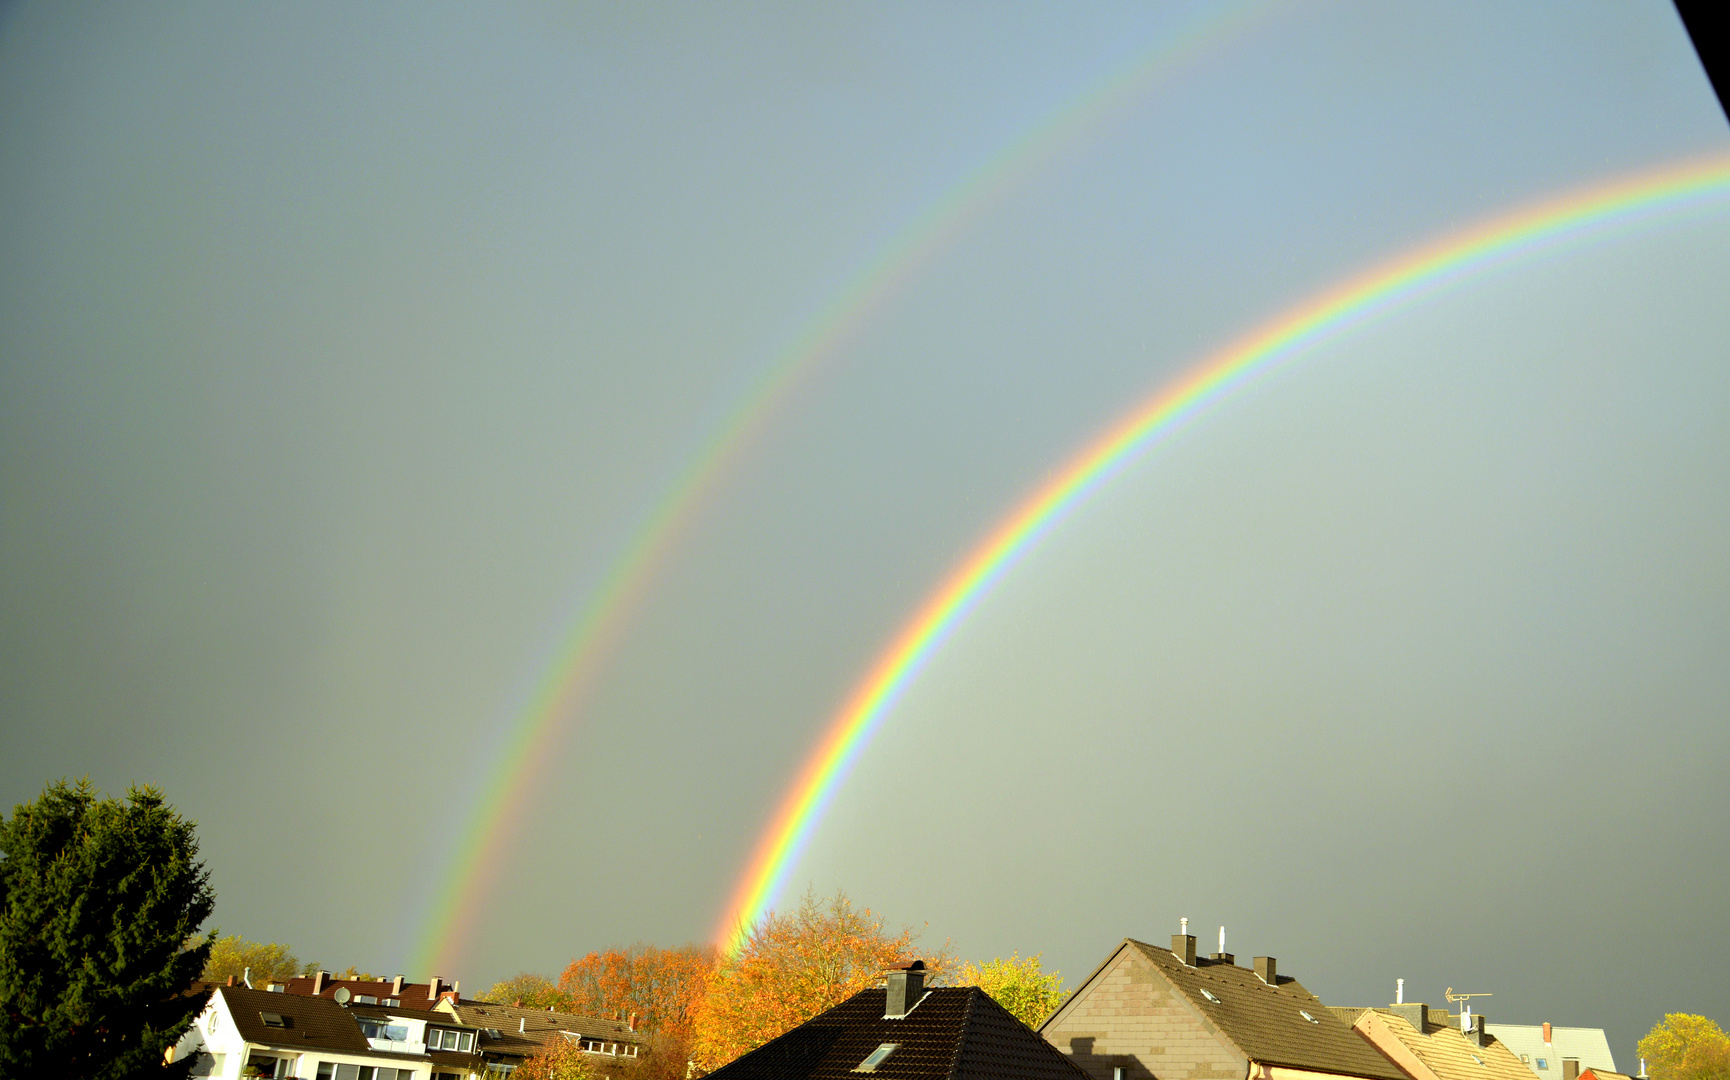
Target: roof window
point(1208, 994)
point(1306, 1015)
point(878, 1057)
point(1477, 1059)
point(365, 999)
point(395, 1003)
point(273, 1020)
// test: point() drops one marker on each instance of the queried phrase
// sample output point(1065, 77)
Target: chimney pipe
point(906, 987)
point(631, 1025)
point(318, 984)
point(231, 980)
point(1183, 947)
point(457, 988)
point(396, 987)
point(246, 977)
point(1400, 993)
point(1642, 1069)
point(432, 988)
point(1546, 1033)
point(1267, 970)
point(1222, 939)
point(522, 1024)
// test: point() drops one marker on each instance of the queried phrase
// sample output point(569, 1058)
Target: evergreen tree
point(100, 905)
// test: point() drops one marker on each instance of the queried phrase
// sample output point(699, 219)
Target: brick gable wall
point(1130, 1018)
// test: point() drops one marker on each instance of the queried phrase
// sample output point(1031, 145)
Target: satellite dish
point(342, 995)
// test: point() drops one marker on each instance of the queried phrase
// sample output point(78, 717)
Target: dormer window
point(877, 1057)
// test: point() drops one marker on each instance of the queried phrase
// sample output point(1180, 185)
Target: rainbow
point(590, 635)
point(1576, 217)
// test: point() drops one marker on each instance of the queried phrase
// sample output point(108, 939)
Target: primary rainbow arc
point(1331, 313)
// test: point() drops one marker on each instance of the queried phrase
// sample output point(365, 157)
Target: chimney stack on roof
point(1479, 1034)
point(1416, 1014)
point(396, 987)
point(231, 980)
point(906, 986)
point(1546, 1033)
point(1267, 970)
point(432, 988)
point(1222, 957)
point(522, 1024)
point(1400, 993)
point(631, 1025)
point(318, 983)
point(1183, 946)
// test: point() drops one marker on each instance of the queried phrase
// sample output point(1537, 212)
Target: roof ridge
point(961, 1039)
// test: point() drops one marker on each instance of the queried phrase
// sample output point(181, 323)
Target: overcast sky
point(340, 347)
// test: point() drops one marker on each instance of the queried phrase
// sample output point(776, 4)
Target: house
point(510, 1033)
point(1152, 1013)
point(904, 1031)
point(244, 1032)
point(1426, 1045)
point(1557, 1053)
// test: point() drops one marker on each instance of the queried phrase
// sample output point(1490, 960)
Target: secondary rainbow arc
point(588, 637)
point(1546, 226)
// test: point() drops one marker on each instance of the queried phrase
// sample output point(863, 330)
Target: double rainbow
point(1571, 218)
point(589, 635)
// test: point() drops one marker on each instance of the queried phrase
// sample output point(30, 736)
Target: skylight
point(1305, 1014)
point(1208, 994)
point(878, 1056)
point(1477, 1059)
point(273, 1019)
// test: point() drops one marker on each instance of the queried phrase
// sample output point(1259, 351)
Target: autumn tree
point(557, 1059)
point(234, 955)
point(1018, 985)
point(792, 967)
point(1685, 1047)
point(663, 987)
point(531, 990)
point(100, 905)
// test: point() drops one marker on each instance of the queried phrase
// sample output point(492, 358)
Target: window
point(1306, 1015)
point(1543, 1063)
point(275, 1020)
point(877, 1057)
point(365, 999)
point(1526, 1058)
point(393, 1003)
point(1209, 996)
point(446, 1039)
point(1477, 1059)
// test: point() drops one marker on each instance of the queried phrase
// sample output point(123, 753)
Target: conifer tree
point(100, 905)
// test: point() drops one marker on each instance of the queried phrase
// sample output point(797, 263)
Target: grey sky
point(342, 346)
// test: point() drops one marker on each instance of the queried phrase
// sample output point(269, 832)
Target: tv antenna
point(1453, 997)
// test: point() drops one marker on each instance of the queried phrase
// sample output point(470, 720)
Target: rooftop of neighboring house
point(520, 1031)
point(1546, 1048)
point(947, 1033)
point(1267, 1017)
point(395, 991)
point(1428, 1047)
point(285, 1020)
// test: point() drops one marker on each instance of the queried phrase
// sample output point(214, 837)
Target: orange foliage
point(557, 1059)
point(793, 967)
point(662, 986)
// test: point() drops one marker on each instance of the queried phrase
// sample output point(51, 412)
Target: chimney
point(1266, 970)
point(396, 987)
point(231, 980)
point(522, 1024)
point(246, 977)
point(906, 988)
point(1479, 1033)
point(1222, 957)
point(1183, 947)
point(631, 1024)
point(1400, 993)
point(432, 988)
point(457, 988)
point(1642, 1069)
point(1416, 1014)
point(318, 984)
point(1546, 1033)
point(1570, 1069)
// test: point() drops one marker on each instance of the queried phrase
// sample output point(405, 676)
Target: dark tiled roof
point(310, 1021)
point(522, 1031)
point(1266, 1023)
point(955, 1032)
point(413, 995)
